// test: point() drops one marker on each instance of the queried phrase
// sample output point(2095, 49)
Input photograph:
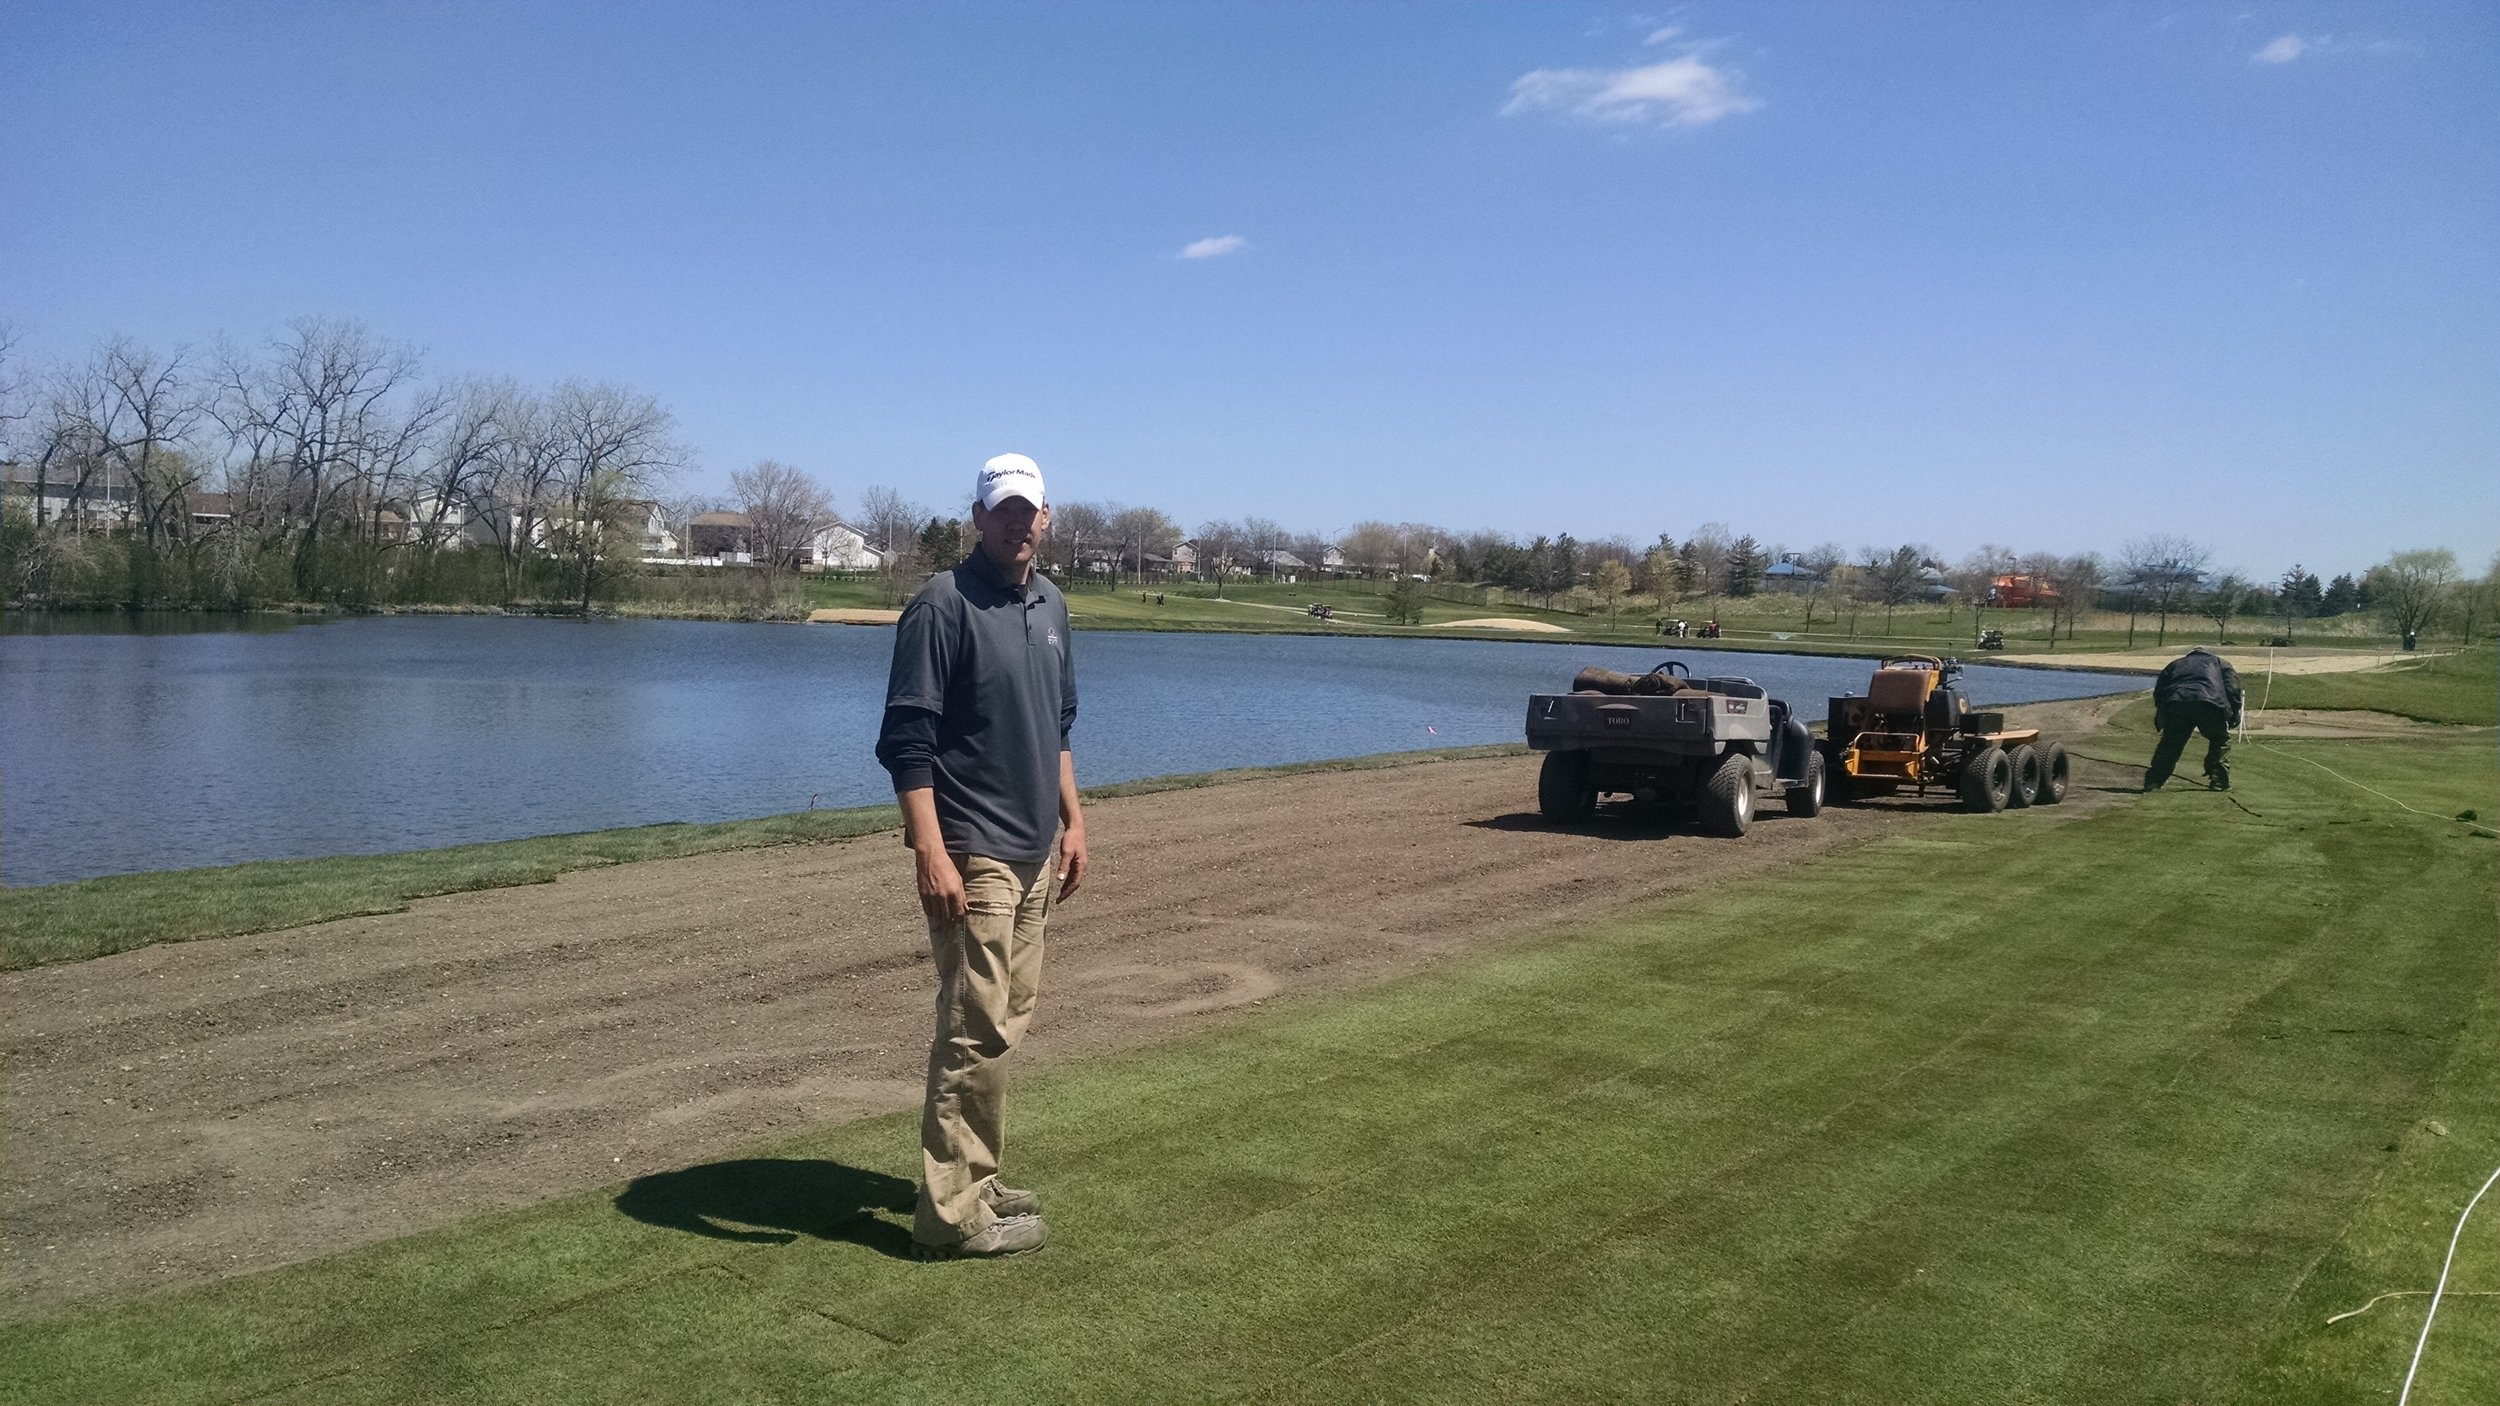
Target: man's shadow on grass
point(774, 1201)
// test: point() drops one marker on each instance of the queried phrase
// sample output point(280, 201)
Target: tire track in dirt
point(184, 1112)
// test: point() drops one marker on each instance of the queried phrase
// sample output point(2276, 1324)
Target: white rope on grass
point(2410, 1294)
point(2373, 790)
point(2444, 1265)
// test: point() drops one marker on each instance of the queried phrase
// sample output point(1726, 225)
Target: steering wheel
point(1673, 668)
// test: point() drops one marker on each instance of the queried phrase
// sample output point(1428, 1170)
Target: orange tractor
point(1914, 728)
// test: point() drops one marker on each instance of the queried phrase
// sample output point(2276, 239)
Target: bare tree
point(312, 416)
point(2074, 585)
point(1141, 533)
point(1313, 548)
point(1705, 556)
point(2221, 601)
point(785, 509)
point(1263, 538)
point(1218, 542)
point(1975, 577)
point(2477, 602)
point(1077, 527)
point(1611, 581)
point(1418, 543)
point(2160, 572)
point(1371, 548)
point(2411, 588)
point(892, 522)
point(613, 449)
point(1824, 562)
point(479, 420)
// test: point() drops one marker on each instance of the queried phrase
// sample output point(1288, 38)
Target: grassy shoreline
point(87, 918)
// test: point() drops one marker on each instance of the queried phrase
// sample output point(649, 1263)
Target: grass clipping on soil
point(97, 917)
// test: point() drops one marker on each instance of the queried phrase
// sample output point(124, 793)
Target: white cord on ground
point(2403, 1396)
point(2409, 1294)
point(2373, 790)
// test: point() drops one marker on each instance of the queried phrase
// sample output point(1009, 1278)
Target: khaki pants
point(989, 968)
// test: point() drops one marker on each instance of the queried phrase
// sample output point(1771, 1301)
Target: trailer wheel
point(2025, 764)
point(1726, 799)
point(1806, 797)
point(1564, 792)
point(2053, 768)
point(1987, 779)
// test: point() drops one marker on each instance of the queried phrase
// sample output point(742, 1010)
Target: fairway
point(2018, 1108)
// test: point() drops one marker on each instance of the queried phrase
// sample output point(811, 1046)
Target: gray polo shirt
point(978, 708)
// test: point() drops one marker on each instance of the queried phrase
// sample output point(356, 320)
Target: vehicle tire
point(2053, 769)
point(1806, 797)
point(1564, 792)
point(1724, 804)
point(1987, 779)
point(2025, 764)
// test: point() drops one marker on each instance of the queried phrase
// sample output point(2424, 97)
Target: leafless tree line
point(328, 435)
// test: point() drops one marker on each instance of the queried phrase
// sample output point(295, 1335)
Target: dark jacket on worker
point(2198, 677)
point(978, 707)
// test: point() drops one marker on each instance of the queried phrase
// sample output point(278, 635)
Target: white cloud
point(2283, 50)
point(1667, 35)
point(1682, 92)
point(1215, 248)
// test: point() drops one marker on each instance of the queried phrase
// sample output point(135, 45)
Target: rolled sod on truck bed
point(2110, 1104)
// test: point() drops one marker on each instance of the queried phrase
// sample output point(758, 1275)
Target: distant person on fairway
point(977, 711)
point(2196, 692)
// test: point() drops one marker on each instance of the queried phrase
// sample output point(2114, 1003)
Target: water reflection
point(159, 749)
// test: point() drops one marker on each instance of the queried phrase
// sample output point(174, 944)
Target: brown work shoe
point(1010, 1201)
point(1007, 1235)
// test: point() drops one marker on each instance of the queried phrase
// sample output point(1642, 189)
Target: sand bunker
point(1496, 622)
point(2251, 662)
point(853, 617)
point(2310, 722)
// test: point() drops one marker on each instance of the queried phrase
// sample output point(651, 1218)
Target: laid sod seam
point(96, 917)
point(2005, 1108)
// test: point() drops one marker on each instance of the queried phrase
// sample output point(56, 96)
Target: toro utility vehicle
point(1710, 747)
point(1915, 729)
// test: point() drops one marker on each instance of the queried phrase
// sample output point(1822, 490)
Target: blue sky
point(2044, 275)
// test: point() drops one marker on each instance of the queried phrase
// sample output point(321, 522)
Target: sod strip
point(2014, 1108)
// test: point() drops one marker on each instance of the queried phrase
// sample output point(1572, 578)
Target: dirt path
point(184, 1112)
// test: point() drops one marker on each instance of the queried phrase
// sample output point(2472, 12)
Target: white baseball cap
point(1009, 476)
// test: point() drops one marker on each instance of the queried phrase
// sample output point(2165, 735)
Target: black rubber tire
point(1564, 793)
point(1806, 797)
point(1724, 804)
point(1987, 778)
point(2053, 772)
point(2025, 764)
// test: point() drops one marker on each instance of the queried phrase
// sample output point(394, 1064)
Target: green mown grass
point(2031, 1107)
point(96, 917)
point(2462, 687)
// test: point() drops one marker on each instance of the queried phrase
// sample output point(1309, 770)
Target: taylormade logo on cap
point(1008, 476)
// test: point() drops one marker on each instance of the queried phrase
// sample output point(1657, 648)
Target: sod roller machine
point(1915, 730)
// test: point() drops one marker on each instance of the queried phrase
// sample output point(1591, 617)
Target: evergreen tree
point(1746, 562)
point(2299, 596)
point(2341, 597)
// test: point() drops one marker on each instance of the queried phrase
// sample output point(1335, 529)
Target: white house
point(842, 547)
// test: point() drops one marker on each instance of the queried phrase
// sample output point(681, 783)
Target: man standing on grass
point(977, 712)
point(2196, 692)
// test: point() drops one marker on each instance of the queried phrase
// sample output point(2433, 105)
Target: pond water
point(168, 746)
